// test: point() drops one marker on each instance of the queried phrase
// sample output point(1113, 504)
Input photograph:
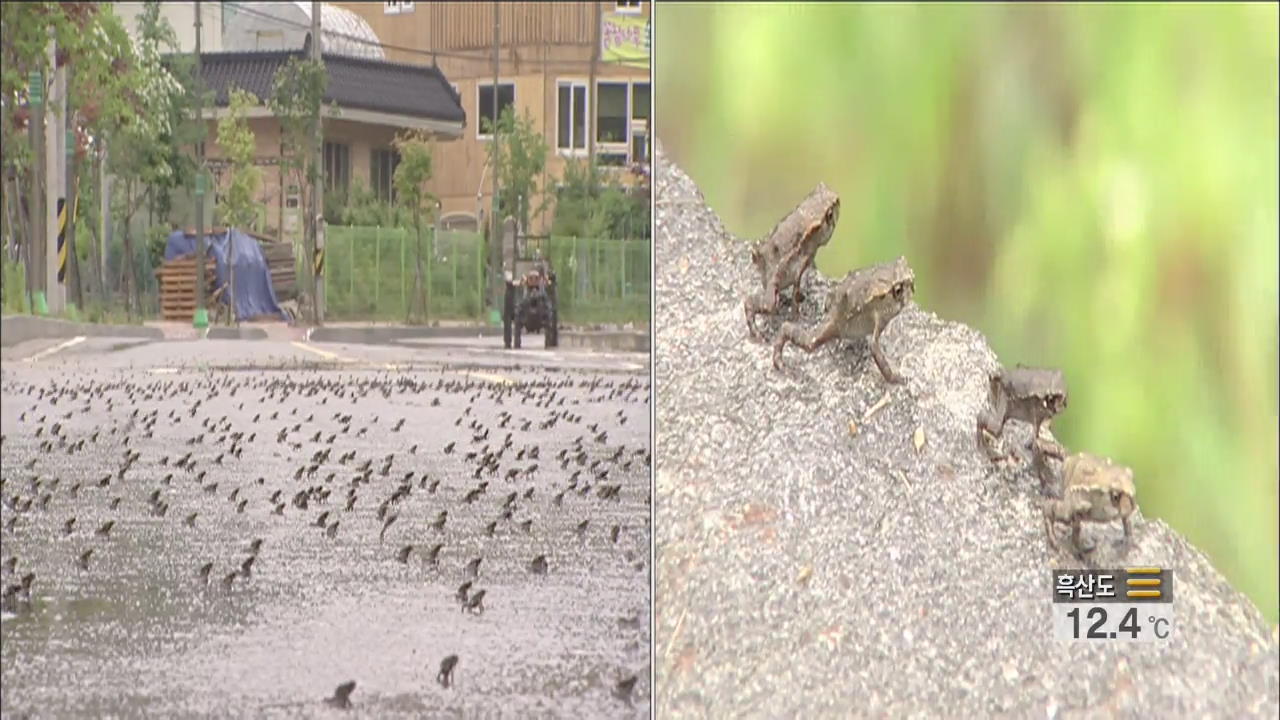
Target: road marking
point(163, 371)
point(491, 377)
point(56, 348)
point(323, 353)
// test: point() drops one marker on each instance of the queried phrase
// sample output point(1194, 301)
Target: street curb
point(618, 341)
point(386, 335)
point(15, 329)
point(235, 333)
point(598, 340)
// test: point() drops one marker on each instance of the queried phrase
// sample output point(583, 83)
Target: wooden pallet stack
point(280, 262)
point(177, 279)
point(177, 283)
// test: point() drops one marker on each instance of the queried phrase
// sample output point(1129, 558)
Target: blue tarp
point(254, 294)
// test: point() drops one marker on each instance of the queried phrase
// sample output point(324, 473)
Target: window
point(639, 145)
point(640, 101)
point(629, 6)
point(639, 122)
point(622, 122)
point(382, 171)
point(268, 39)
point(611, 113)
point(396, 8)
point(484, 105)
point(571, 115)
point(337, 167)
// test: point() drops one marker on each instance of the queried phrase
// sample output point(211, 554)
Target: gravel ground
point(815, 559)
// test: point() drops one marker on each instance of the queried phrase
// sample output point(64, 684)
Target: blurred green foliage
point(1093, 186)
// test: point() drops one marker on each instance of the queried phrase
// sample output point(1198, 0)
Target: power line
point(433, 54)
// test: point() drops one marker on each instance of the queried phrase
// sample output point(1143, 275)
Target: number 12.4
point(1128, 624)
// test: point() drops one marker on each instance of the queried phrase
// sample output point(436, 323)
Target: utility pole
point(495, 218)
point(67, 241)
point(201, 319)
point(591, 85)
point(317, 196)
point(36, 247)
point(104, 214)
point(55, 164)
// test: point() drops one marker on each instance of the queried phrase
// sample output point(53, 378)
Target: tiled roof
point(416, 90)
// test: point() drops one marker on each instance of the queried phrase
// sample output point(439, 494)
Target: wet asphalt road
point(326, 600)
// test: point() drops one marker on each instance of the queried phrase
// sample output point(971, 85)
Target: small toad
point(1095, 489)
point(1032, 395)
point(786, 253)
point(860, 306)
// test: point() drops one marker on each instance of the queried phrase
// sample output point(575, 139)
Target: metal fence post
point(351, 265)
point(431, 252)
point(377, 267)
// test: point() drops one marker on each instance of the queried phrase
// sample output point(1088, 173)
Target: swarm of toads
point(860, 306)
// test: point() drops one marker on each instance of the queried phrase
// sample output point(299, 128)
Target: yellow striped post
point(62, 239)
point(319, 263)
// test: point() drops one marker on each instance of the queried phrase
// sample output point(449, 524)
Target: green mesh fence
point(369, 274)
point(601, 280)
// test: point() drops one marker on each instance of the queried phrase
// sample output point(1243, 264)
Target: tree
point(588, 206)
point(410, 180)
point(142, 137)
point(92, 41)
point(239, 205)
point(238, 143)
point(297, 92)
point(518, 154)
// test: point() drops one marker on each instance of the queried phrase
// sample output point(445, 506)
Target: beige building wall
point(542, 43)
point(361, 140)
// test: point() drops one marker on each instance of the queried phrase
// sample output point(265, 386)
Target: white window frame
point(392, 7)
point(626, 133)
point(588, 128)
point(637, 130)
point(628, 7)
point(484, 84)
point(634, 125)
point(638, 126)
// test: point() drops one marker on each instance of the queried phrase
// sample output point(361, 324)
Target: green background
point(1094, 187)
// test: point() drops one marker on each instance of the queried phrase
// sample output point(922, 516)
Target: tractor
point(529, 304)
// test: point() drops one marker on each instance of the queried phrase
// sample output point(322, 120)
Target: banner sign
point(624, 39)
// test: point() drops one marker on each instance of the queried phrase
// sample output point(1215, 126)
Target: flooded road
point(364, 495)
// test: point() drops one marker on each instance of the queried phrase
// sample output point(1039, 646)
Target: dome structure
point(285, 26)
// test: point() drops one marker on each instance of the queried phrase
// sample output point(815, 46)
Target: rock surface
point(815, 559)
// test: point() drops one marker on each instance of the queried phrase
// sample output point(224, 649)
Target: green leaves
point(296, 94)
point(588, 205)
point(238, 143)
point(518, 154)
point(413, 172)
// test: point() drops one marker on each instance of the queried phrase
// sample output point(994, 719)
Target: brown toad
point(1032, 395)
point(860, 306)
point(1095, 489)
point(784, 255)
